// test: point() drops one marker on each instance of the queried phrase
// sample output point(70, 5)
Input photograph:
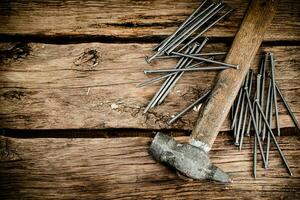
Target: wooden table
point(73, 130)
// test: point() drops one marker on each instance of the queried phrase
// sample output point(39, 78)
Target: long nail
point(174, 77)
point(264, 125)
point(257, 99)
point(255, 156)
point(206, 29)
point(206, 60)
point(271, 107)
point(288, 108)
point(193, 28)
point(149, 71)
point(162, 87)
point(275, 93)
point(186, 28)
point(255, 127)
point(250, 118)
point(191, 25)
point(188, 108)
point(242, 111)
point(180, 74)
point(153, 80)
point(262, 94)
point(268, 116)
point(199, 16)
point(182, 26)
point(246, 111)
point(267, 106)
point(268, 149)
point(237, 109)
point(171, 78)
point(199, 54)
point(232, 115)
point(275, 141)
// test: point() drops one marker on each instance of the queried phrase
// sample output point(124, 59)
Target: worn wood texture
point(128, 19)
point(45, 86)
point(122, 168)
point(242, 52)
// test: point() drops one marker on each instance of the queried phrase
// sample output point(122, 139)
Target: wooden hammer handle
point(242, 52)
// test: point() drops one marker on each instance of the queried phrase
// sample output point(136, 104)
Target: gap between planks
point(111, 133)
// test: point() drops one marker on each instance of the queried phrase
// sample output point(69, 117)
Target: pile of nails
point(188, 51)
point(258, 113)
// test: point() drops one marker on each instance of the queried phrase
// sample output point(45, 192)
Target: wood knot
point(6, 151)
point(89, 58)
point(13, 95)
point(17, 51)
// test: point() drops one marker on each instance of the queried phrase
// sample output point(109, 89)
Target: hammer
point(192, 159)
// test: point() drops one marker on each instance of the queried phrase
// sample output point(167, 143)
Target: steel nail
point(199, 54)
point(268, 150)
point(186, 28)
point(206, 29)
point(274, 139)
point(250, 118)
point(237, 109)
point(163, 85)
point(232, 115)
point(255, 127)
point(153, 80)
point(180, 74)
point(246, 111)
point(174, 77)
point(269, 119)
point(257, 99)
point(262, 94)
point(188, 108)
point(148, 71)
point(245, 85)
point(274, 92)
point(255, 156)
point(288, 108)
point(182, 26)
point(207, 60)
point(199, 16)
point(171, 79)
point(193, 28)
point(268, 104)
point(271, 107)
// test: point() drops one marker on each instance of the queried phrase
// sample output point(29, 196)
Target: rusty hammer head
point(190, 160)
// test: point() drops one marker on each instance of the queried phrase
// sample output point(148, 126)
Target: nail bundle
point(258, 113)
point(197, 21)
point(188, 51)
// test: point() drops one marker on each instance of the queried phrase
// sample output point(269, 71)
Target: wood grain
point(122, 168)
point(42, 88)
point(128, 19)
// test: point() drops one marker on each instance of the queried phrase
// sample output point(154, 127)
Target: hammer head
point(191, 161)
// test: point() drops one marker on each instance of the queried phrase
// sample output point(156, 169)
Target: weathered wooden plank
point(42, 88)
point(128, 19)
point(122, 168)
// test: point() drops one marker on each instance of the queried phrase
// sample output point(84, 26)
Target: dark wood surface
point(46, 92)
point(128, 19)
point(122, 168)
